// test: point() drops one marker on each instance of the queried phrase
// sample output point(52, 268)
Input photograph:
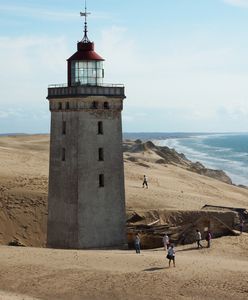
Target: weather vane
point(85, 14)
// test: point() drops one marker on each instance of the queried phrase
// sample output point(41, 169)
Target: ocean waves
point(227, 152)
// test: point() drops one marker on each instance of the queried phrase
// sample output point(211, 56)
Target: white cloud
point(185, 87)
point(45, 13)
point(240, 3)
point(234, 112)
point(33, 12)
point(191, 84)
point(4, 114)
point(28, 65)
point(10, 113)
point(196, 77)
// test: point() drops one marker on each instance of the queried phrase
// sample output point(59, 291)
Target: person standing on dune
point(171, 255)
point(198, 239)
point(241, 226)
point(166, 242)
point(137, 243)
point(208, 238)
point(145, 182)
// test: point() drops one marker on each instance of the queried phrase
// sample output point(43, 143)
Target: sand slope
point(220, 272)
point(23, 187)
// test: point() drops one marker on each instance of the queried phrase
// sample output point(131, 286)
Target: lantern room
point(85, 67)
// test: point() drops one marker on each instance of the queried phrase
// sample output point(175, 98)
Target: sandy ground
point(37, 273)
point(23, 189)
point(220, 272)
point(171, 187)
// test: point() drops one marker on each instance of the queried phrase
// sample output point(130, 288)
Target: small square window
point(100, 127)
point(64, 127)
point(94, 105)
point(63, 154)
point(106, 105)
point(101, 180)
point(100, 154)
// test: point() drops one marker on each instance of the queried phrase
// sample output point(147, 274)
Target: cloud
point(198, 77)
point(239, 3)
point(173, 90)
point(233, 112)
point(10, 113)
point(29, 64)
point(32, 12)
point(47, 14)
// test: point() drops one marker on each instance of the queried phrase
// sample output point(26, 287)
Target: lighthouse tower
point(86, 201)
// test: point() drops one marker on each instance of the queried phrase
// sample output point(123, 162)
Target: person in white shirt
point(198, 239)
point(166, 241)
point(171, 255)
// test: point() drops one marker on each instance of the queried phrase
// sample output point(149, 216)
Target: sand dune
point(24, 179)
point(220, 272)
point(38, 273)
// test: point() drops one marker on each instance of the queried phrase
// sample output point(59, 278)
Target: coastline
point(193, 147)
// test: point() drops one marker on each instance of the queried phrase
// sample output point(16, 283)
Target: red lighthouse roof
point(85, 51)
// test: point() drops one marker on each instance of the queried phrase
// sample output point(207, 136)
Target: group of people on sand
point(208, 238)
point(171, 252)
point(169, 247)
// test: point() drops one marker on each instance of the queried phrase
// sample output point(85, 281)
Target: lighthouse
point(86, 200)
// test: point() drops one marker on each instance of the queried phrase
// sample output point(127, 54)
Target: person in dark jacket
point(137, 243)
point(208, 238)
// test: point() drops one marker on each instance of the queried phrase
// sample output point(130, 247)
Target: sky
point(183, 62)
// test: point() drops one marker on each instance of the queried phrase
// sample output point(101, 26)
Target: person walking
point(137, 243)
point(166, 242)
point(198, 239)
point(145, 182)
point(241, 226)
point(171, 256)
point(208, 238)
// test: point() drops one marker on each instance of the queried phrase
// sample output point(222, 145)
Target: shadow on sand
point(155, 269)
point(190, 249)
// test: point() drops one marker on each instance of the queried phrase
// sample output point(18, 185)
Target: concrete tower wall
point(63, 186)
point(81, 213)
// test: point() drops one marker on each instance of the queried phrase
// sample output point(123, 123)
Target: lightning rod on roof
point(85, 14)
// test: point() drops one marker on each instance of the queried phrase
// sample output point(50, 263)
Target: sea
point(222, 151)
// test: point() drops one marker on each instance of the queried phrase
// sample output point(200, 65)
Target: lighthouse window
point(86, 72)
point(90, 72)
point(83, 65)
point(101, 180)
point(106, 105)
point(63, 154)
point(100, 127)
point(94, 105)
point(100, 154)
point(64, 127)
point(91, 64)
